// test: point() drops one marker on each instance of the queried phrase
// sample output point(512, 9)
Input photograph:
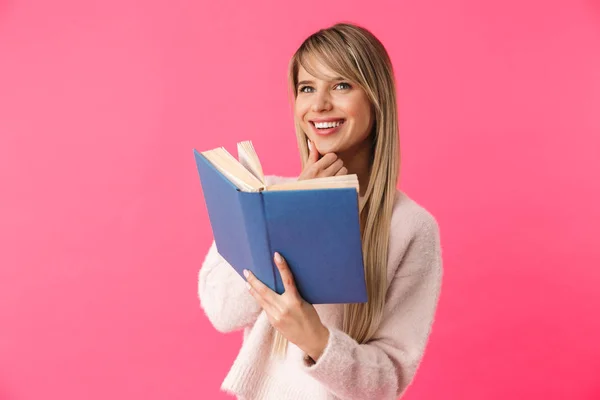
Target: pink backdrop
point(103, 226)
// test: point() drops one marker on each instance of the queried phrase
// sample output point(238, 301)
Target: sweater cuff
point(328, 359)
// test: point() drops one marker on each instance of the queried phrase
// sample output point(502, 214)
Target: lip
point(328, 131)
point(331, 119)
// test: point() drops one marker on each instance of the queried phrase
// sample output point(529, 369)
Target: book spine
point(276, 287)
point(253, 212)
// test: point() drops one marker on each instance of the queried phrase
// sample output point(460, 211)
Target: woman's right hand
point(328, 165)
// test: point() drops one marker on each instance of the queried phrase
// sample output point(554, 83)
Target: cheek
point(300, 111)
point(361, 113)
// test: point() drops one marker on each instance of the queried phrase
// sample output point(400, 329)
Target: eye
point(304, 89)
point(343, 85)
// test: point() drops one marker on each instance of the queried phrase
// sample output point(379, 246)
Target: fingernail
point(248, 286)
point(246, 274)
point(278, 258)
point(309, 145)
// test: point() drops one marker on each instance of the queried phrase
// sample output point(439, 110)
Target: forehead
point(315, 69)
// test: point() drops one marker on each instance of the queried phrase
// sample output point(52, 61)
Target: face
point(335, 113)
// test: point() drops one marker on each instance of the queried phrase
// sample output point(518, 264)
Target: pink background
point(103, 226)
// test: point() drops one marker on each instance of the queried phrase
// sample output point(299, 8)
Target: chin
point(325, 148)
point(332, 146)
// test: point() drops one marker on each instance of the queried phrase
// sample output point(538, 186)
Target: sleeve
point(384, 367)
point(223, 294)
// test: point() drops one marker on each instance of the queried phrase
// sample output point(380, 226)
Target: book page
point(233, 170)
point(249, 159)
point(330, 182)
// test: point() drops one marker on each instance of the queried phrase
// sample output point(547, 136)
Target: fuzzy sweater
point(381, 369)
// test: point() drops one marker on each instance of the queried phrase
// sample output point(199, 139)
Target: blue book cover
point(317, 231)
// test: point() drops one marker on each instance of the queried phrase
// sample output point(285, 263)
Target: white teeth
point(324, 125)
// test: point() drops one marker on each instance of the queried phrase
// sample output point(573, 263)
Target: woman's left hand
point(293, 317)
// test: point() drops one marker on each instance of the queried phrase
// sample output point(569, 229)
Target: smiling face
point(334, 113)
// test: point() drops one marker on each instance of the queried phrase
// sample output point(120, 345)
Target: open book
point(313, 223)
point(246, 172)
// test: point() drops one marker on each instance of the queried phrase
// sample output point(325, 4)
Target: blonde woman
point(344, 101)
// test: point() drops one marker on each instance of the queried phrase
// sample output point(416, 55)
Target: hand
point(293, 317)
point(328, 165)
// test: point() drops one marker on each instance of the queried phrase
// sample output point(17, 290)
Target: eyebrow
point(339, 78)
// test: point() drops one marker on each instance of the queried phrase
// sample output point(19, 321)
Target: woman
point(346, 123)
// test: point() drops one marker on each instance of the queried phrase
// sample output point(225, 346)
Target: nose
point(321, 101)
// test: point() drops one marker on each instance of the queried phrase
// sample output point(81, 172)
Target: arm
point(223, 294)
point(385, 366)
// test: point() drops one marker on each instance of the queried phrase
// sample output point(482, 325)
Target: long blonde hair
point(357, 55)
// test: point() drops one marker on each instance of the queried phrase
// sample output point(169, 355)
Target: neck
point(358, 161)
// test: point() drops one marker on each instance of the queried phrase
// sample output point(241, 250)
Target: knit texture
point(381, 369)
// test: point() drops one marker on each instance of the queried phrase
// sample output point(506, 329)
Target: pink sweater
point(381, 369)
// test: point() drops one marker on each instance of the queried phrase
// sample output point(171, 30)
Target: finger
point(286, 274)
point(315, 170)
point(261, 292)
point(342, 171)
point(313, 155)
point(260, 301)
point(325, 162)
point(333, 168)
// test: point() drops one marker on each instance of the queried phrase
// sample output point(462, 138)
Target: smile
point(328, 124)
point(326, 128)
